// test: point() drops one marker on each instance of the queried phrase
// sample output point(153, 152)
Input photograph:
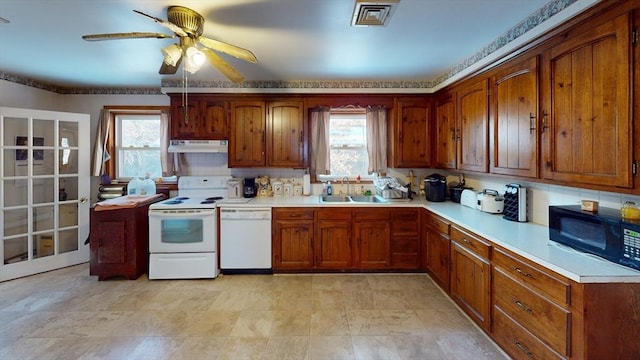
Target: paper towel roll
point(306, 184)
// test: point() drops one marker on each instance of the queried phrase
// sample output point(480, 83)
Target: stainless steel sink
point(367, 199)
point(351, 199)
point(334, 199)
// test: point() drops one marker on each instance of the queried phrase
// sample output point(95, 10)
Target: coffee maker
point(249, 188)
point(436, 187)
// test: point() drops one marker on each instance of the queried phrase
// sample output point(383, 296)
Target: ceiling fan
point(187, 25)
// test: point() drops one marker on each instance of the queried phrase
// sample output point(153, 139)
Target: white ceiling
point(292, 39)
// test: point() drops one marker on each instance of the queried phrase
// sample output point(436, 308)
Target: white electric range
point(183, 232)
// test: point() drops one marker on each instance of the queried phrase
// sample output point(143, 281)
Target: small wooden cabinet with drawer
point(292, 239)
point(436, 248)
point(531, 309)
point(471, 275)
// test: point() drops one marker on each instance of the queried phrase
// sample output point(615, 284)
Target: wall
point(22, 96)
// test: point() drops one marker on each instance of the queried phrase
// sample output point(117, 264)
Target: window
point(348, 145)
point(137, 150)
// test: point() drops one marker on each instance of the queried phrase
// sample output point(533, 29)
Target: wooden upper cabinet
point(201, 118)
point(445, 131)
point(473, 110)
point(514, 120)
point(247, 134)
point(411, 133)
point(587, 136)
point(286, 134)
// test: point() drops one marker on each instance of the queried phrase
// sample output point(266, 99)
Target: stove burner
point(173, 202)
point(181, 198)
point(207, 201)
point(214, 198)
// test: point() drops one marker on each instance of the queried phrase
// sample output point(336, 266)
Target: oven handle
point(182, 214)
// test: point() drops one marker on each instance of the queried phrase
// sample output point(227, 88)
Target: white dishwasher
point(245, 240)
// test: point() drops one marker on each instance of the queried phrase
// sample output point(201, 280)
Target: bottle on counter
point(148, 186)
point(133, 188)
point(329, 188)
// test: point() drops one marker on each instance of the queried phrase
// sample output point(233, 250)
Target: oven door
point(182, 231)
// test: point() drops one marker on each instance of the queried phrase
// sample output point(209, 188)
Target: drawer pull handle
point(521, 272)
point(466, 241)
point(523, 348)
point(523, 306)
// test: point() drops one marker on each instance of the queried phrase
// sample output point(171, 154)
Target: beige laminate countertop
point(526, 239)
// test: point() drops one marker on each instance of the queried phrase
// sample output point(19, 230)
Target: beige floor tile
point(287, 348)
point(329, 322)
point(67, 314)
point(331, 348)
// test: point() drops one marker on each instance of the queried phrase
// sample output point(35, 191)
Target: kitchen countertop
point(526, 239)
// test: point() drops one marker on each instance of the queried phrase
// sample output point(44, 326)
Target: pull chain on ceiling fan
point(187, 25)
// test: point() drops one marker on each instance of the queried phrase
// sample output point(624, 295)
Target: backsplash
point(540, 195)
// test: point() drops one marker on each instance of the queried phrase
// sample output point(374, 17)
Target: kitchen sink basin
point(334, 199)
point(367, 199)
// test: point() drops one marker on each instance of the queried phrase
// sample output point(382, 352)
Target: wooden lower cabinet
point(292, 239)
point(332, 246)
point(405, 239)
point(437, 246)
point(119, 245)
point(372, 236)
point(471, 276)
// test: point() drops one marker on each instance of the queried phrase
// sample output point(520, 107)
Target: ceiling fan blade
point(166, 69)
point(232, 50)
point(171, 26)
point(129, 35)
point(222, 66)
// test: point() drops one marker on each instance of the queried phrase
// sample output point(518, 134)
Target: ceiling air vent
point(373, 13)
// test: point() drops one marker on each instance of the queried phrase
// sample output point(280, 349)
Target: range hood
point(198, 146)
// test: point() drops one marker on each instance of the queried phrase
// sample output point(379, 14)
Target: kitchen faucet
point(346, 177)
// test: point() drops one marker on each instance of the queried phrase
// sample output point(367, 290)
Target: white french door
point(45, 190)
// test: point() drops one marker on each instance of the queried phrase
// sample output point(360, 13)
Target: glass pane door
point(45, 190)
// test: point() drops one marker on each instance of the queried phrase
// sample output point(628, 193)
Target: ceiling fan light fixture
point(194, 59)
point(172, 54)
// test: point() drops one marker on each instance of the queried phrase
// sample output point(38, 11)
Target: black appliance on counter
point(249, 188)
point(603, 233)
point(435, 186)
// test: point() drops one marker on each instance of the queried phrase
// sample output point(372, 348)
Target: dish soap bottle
point(329, 188)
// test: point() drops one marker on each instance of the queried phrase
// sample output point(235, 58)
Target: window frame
point(345, 111)
point(110, 146)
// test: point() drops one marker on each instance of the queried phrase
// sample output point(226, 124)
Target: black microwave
point(603, 233)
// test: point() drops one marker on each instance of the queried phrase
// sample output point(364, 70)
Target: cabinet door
point(247, 134)
point(332, 245)
point(446, 136)
point(372, 244)
point(513, 135)
point(589, 137)
point(285, 134)
point(411, 133)
point(472, 110)
point(184, 118)
point(292, 244)
point(470, 284)
point(438, 257)
point(214, 120)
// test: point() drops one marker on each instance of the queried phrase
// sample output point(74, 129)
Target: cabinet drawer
point(293, 214)
point(404, 244)
point(371, 214)
point(546, 320)
point(517, 341)
point(437, 223)
point(334, 214)
point(404, 227)
point(405, 214)
point(550, 286)
point(471, 242)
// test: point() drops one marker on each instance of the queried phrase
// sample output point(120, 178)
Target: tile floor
point(67, 314)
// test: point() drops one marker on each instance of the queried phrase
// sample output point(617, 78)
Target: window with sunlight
point(138, 145)
point(348, 145)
